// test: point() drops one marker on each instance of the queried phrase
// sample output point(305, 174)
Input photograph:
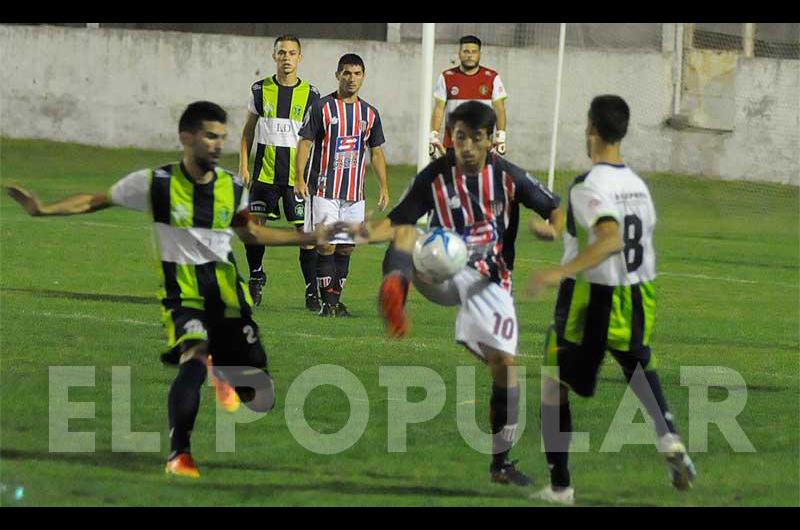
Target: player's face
point(287, 55)
point(470, 56)
point(471, 146)
point(350, 79)
point(206, 144)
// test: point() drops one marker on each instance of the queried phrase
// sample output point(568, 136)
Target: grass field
point(79, 291)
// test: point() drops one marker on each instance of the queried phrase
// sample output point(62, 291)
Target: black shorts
point(231, 341)
point(264, 199)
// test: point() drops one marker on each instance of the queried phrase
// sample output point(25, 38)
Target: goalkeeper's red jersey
point(454, 87)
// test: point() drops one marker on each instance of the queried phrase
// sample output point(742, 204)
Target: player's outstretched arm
point(253, 234)
point(551, 229)
point(76, 204)
point(608, 242)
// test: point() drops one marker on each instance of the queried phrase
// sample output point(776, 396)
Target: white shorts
point(487, 314)
point(330, 211)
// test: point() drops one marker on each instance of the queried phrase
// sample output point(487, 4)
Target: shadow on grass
point(96, 297)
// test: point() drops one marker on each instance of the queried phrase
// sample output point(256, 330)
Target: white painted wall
point(128, 87)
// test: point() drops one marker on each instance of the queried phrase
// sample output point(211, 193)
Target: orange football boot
point(183, 466)
point(226, 394)
point(391, 302)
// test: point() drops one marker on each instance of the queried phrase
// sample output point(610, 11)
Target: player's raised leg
point(397, 274)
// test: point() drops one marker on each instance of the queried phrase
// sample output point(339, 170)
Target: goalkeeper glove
point(434, 144)
point(500, 142)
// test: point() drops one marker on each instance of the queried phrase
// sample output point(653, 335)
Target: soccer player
point(196, 208)
point(276, 108)
point(606, 299)
point(340, 128)
point(469, 81)
point(472, 192)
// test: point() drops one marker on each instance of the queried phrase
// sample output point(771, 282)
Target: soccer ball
point(439, 255)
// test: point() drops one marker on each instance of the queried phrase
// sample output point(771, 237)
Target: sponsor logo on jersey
point(483, 90)
point(454, 202)
point(346, 144)
point(454, 91)
point(498, 206)
point(334, 120)
point(363, 125)
point(224, 215)
point(180, 212)
point(283, 127)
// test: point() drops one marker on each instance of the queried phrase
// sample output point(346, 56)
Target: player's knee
point(345, 250)
point(326, 250)
point(198, 350)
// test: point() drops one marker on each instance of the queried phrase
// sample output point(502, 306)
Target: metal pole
point(425, 94)
point(552, 170)
point(678, 74)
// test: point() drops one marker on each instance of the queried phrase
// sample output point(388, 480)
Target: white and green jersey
point(280, 110)
point(193, 231)
point(619, 292)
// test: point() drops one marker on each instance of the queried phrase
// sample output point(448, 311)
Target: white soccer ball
point(439, 255)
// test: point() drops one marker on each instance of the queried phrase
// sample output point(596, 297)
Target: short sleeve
point(312, 122)
point(415, 202)
point(440, 90)
point(133, 191)
point(533, 195)
point(590, 204)
point(251, 105)
point(498, 90)
point(376, 138)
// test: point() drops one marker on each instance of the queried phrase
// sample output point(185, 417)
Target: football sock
point(183, 403)
point(397, 261)
point(342, 262)
point(255, 257)
point(326, 269)
point(308, 265)
point(556, 434)
point(503, 410)
point(659, 411)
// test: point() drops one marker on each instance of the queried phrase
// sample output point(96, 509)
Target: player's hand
point(301, 188)
point(27, 200)
point(324, 233)
point(499, 142)
point(435, 147)
point(383, 199)
point(542, 230)
point(542, 280)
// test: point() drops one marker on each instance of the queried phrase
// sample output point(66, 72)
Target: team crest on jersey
point(497, 208)
point(297, 111)
point(299, 209)
point(180, 213)
point(334, 120)
point(268, 109)
point(363, 125)
point(224, 215)
point(483, 90)
point(454, 91)
point(488, 73)
point(454, 203)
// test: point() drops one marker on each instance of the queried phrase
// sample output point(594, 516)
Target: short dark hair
point(350, 59)
point(287, 37)
point(196, 113)
point(475, 115)
point(469, 39)
point(609, 114)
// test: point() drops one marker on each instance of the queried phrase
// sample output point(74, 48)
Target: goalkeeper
point(469, 81)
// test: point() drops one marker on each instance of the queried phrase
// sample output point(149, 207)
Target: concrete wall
point(115, 87)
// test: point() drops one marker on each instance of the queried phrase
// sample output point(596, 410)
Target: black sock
point(342, 262)
point(308, 265)
point(659, 411)
point(183, 403)
point(557, 433)
point(326, 269)
point(397, 261)
point(255, 257)
point(503, 410)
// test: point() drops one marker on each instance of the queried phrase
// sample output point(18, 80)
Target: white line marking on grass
point(707, 277)
point(115, 226)
point(97, 318)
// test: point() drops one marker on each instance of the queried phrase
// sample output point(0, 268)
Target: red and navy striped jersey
point(482, 208)
point(342, 133)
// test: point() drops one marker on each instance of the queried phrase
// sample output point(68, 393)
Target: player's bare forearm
point(437, 115)
point(405, 237)
point(253, 234)
point(608, 242)
point(301, 159)
point(379, 232)
point(550, 229)
point(500, 111)
point(379, 163)
point(74, 205)
point(246, 145)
